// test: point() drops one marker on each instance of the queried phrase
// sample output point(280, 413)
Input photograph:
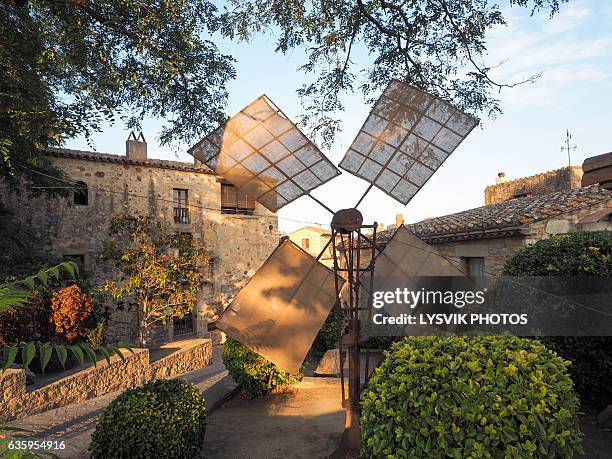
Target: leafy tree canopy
point(67, 66)
point(436, 45)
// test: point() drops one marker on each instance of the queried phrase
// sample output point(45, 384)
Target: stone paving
point(74, 424)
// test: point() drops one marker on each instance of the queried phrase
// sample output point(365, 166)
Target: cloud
point(568, 49)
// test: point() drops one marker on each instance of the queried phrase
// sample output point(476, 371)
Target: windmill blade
point(261, 152)
point(408, 262)
point(279, 312)
point(405, 139)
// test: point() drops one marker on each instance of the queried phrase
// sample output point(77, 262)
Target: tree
point(68, 65)
point(163, 269)
point(436, 45)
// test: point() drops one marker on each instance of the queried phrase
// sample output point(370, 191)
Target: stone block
point(560, 226)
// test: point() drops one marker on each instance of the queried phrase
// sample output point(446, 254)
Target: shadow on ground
point(304, 422)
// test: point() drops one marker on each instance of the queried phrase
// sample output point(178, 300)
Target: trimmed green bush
point(256, 375)
point(162, 419)
point(501, 397)
point(582, 253)
point(586, 254)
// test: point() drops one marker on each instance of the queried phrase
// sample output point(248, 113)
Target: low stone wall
point(16, 401)
point(186, 359)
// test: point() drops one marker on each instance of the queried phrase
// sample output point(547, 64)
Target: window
point(306, 244)
point(234, 201)
point(81, 194)
point(181, 205)
point(475, 269)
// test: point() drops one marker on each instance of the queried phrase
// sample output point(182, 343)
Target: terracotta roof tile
point(504, 218)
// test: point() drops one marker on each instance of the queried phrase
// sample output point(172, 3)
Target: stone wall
point(17, 401)
point(238, 244)
point(567, 178)
point(496, 250)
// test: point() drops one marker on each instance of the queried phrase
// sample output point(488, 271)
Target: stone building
point(566, 178)
point(481, 239)
point(313, 239)
point(236, 232)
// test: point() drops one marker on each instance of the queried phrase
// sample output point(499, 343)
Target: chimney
point(501, 178)
point(136, 147)
point(399, 220)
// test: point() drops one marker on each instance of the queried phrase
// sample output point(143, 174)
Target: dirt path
point(301, 423)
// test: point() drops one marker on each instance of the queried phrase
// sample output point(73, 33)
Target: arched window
point(81, 195)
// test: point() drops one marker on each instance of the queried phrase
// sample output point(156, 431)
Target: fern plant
point(18, 293)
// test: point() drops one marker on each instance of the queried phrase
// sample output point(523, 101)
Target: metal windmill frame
point(407, 136)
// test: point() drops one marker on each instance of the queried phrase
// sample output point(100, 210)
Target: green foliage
point(574, 254)
point(15, 299)
point(497, 397)
point(68, 67)
point(18, 293)
point(439, 46)
point(163, 269)
point(582, 253)
point(327, 338)
point(256, 375)
point(162, 419)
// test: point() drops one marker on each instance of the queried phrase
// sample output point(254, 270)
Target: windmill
point(406, 137)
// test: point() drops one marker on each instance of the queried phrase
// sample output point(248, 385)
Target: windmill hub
point(347, 220)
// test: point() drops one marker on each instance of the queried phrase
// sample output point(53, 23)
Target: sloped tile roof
point(112, 158)
point(506, 218)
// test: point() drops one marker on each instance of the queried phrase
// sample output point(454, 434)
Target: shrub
point(582, 253)
point(162, 419)
point(72, 312)
point(30, 322)
point(256, 375)
point(470, 397)
point(574, 254)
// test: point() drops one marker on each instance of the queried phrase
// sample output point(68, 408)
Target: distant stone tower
point(566, 178)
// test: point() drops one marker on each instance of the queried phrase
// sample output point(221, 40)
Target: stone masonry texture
point(16, 400)
point(567, 178)
point(238, 244)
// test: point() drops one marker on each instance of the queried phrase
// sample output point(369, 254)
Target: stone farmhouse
point(313, 239)
point(238, 233)
point(518, 212)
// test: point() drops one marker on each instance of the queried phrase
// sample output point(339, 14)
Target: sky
point(573, 51)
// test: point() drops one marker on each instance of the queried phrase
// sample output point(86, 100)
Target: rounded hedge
point(581, 253)
point(256, 375)
point(162, 419)
point(470, 397)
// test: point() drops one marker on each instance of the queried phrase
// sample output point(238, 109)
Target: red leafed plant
point(71, 312)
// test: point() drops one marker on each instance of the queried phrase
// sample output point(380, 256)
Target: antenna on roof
point(405, 139)
point(569, 148)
